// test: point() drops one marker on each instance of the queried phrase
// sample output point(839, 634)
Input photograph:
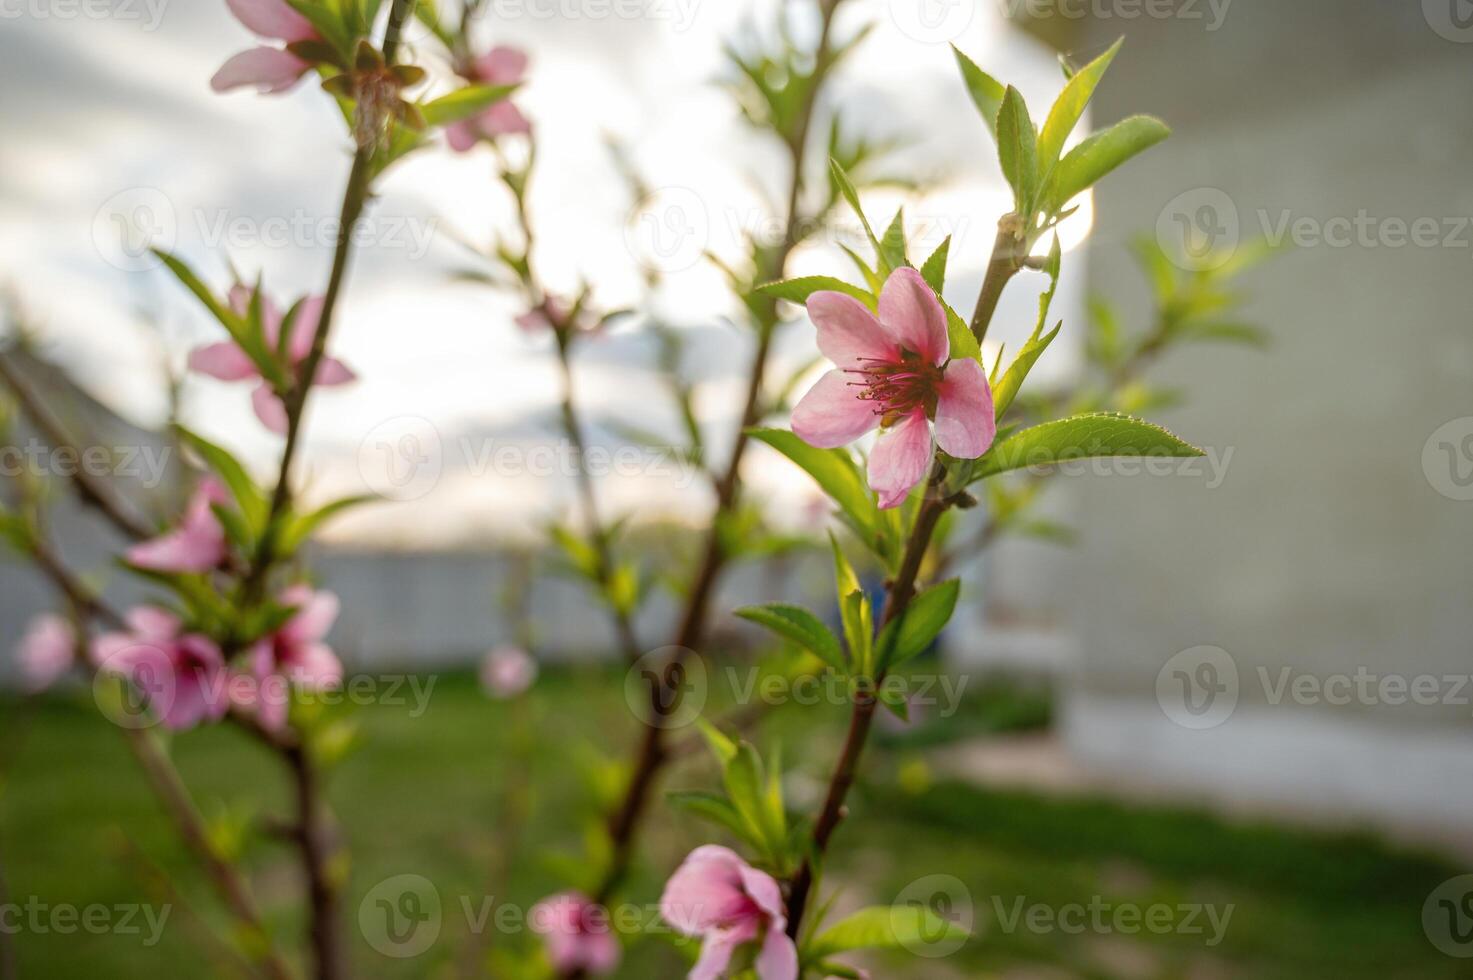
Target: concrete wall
point(1327, 550)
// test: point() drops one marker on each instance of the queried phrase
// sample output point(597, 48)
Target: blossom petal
point(316, 612)
point(224, 361)
point(462, 135)
point(269, 70)
point(46, 651)
point(503, 119)
point(763, 889)
point(716, 954)
point(778, 959)
point(901, 459)
point(332, 372)
point(502, 65)
point(832, 414)
point(179, 551)
point(269, 409)
point(314, 667)
point(965, 422)
point(152, 623)
point(272, 18)
point(304, 327)
point(848, 333)
point(705, 891)
point(912, 315)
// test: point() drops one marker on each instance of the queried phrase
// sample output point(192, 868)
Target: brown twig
point(899, 594)
point(1007, 259)
point(163, 778)
point(652, 752)
point(92, 492)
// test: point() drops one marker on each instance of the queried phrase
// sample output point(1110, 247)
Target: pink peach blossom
point(182, 674)
point(45, 651)
point(294, 656)
point(577, 934)
point(196, 545)
point(507, 672)
point(269, 69)
point(895, 372)
point(499, 66)
point(716, 895)
point(227, 362)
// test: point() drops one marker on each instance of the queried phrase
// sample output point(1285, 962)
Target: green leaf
point(746, 787)
point(1081, 437)
point(934, 269)
point(798, 290)
point(963, 341)
point(907, 636)
point(1097, 156)
point(802, 627)
point(463, 103)
point(1230, 333)
point(1007, 389)
point(186, 275)
point(892, 246)
point(710, 806)
point(1070, 105)
point(859, 629)
point(834, 470)
point(304, 526)
point(1017, 150)
point(871, 277)
point(882, 927)
point(723, 747)
point(846, 188)
point(986, 92)
point(248, 496)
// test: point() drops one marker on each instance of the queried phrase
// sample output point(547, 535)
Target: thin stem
point(597, 530)
point(164, 778)
point(897, 600)
point(315, 841)
point(652, 752)
point(1008, 257)
point(92, 491)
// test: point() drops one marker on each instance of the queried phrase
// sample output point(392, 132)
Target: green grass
point(428, 795)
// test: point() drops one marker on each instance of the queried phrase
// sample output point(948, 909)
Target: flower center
point(898, 388)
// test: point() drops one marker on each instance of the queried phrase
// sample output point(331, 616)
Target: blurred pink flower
point(294, 656)
point(507, 672)
point(46, 651)
point(894, 371)
point(196, 545)
point(227, 362)
point(269, 69)
point(181, 674)
point(716, 895)
point(577, 934)
point(499, 66)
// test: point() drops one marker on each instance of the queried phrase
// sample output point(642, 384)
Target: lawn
point(1057, 887)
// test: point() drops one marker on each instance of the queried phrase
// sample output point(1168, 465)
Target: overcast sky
point(110, 115)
